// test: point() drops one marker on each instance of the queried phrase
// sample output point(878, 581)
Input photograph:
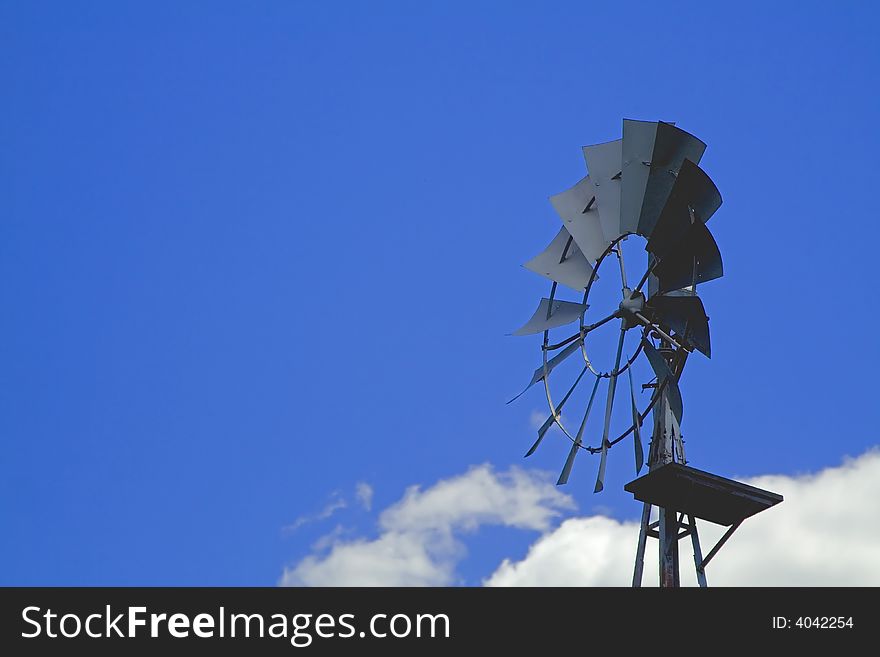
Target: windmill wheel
point(649, 186)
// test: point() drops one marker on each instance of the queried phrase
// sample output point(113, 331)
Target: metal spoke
point(644, 278)
point(655, 327)
point(584, 330)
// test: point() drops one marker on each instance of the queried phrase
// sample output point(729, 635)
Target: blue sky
point(255, 254)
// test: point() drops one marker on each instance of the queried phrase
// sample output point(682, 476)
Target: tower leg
point(640, 551)
point(698, 554)
point(668, 549)
point(663, 452)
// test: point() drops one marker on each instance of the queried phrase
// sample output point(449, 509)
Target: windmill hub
point(633, 302)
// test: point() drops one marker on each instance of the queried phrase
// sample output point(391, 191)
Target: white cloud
point(393, 559)
point(363, 493)
point(594, 551)
point(419, 541)
point(515, 498)
point(335, 504)
point(537, 418)
point(825, 533)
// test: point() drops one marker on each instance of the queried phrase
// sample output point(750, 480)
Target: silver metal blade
point(580, 216)
point(694, 197)
point(696, 259)
point(551, 364)
point(672, 146)
point(609, 403)
point(550, 421)
point(600, 477)
point(552, 314)
point(638, 146)
point(578, 441)
point(538, 441)
point(573, 270)
point(687, 317)
point(665, 375)
point(569, 463)
point(605, 163)
point(637, 434)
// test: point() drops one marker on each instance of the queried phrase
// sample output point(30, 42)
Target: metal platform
point(701, 494)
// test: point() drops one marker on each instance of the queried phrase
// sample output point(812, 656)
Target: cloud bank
point(420, 544)
point(825, 533)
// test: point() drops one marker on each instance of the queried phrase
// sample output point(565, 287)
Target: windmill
point(647, 186)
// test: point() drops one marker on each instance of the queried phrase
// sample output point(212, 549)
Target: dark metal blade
point(672, 146)
point(694, 197)
point(637, 148)
point(696, 259)
point(687, 317)
point(665, 374)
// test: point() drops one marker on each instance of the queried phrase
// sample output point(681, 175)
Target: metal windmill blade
point(550, 421)
point(580, 215)
point(686, 316)
point(694, 197)
point(609, 404)
point(666, 379)
point(637, 432)
point(605, 164)
point(551, 314)
point(672, 147)
point(578, 441)
point(653, 154)
point(563, 262)
point(550, 366)
point(696, 259)
point(636, 152)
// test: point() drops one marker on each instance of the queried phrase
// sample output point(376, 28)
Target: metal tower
point(647, 184)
